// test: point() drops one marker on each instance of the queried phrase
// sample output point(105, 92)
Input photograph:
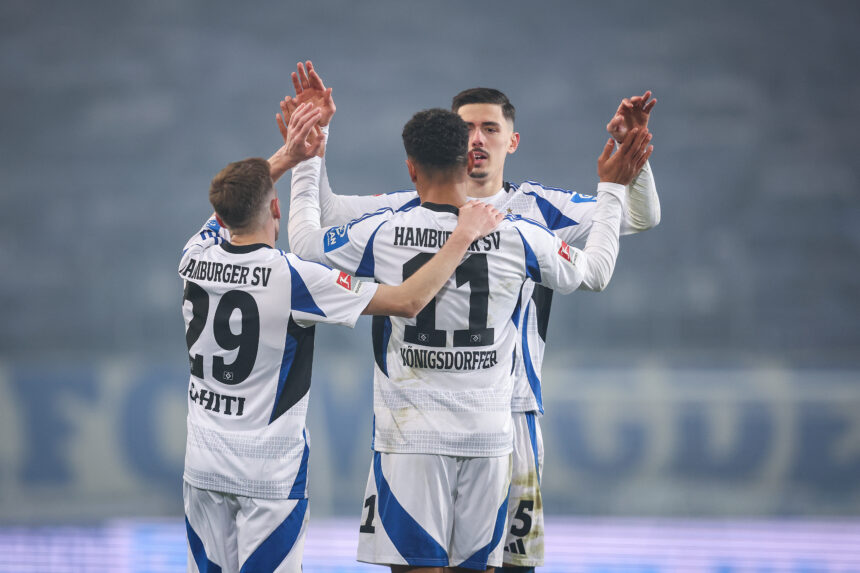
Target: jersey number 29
point(246, 340)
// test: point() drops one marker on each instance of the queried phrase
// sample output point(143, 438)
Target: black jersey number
point(473, 271)
point(246, 340)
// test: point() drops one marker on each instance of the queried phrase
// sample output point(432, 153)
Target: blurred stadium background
point(702, 414)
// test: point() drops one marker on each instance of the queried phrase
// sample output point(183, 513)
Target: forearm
point(601, 249)
point(408, 298)
point(280, 163)
point(303, 228)
point(643, 204)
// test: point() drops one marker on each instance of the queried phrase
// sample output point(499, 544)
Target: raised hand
point(632, 113)
point(477, 219)
point(310, 88)
point(288, 107)
point(631, 156)
point(298, 146)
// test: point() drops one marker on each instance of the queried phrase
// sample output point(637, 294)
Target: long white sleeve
point(303, 228)
point(338, 209)
point(643, 204)
point(601, 248)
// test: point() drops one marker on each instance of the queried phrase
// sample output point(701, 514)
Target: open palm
point(310, 88)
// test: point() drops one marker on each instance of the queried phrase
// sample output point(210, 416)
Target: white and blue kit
point(569, 215)
point(444, 381)
point(250, 312)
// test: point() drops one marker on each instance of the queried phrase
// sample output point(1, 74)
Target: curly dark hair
point(239, 190)
point(484, 95)
point(436, 139)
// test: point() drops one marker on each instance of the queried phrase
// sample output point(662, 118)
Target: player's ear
point(413, 173)
point(220, 220)
point(515, 142)
point(275, 208)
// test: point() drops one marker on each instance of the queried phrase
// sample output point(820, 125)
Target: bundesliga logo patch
point(564, 251)
point(345, 280)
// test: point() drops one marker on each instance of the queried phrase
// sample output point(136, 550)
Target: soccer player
point(437, 492)
point(490, 116)
point(250, 311)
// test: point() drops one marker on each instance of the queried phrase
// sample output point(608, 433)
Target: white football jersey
point(568, 214)
point(249, 315)
point(443, 381)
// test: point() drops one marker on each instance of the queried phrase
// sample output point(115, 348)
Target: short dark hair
point(436, 139)
point(484, 95)
point(239, 190)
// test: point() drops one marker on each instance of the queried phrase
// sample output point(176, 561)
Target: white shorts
point(428, 510)
point(524, 540)
point(235, 532)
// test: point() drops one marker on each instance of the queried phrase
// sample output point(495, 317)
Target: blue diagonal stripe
point(411, 540)
point(276, 547)
point(531, 374)
point(532, 266)
point(301, 296)
point(198, 551)
point(479, 559)
point(530, 421)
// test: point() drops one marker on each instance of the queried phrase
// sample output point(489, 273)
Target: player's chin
point(475, 174)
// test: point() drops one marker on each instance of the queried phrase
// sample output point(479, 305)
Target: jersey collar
point(441, 208)
point(242, 249)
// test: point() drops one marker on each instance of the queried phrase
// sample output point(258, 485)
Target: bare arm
point(299, 145)
point(476, 219)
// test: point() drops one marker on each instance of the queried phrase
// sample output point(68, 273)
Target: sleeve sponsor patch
point(335, 238)
point(564, 252)
point(578, 198)
point(345, 280)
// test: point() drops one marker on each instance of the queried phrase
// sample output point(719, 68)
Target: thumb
point(607, 150)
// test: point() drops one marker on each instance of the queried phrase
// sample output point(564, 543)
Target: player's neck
point(484, 187)
point(255, 238)
point(444, 194)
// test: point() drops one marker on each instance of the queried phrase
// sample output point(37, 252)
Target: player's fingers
point(641, 162)
point(288, 107)
point(297, 86)
point(650, 105)
point(300, 115)
point(633, 142)
point(303, 76)
point(646, 95)
point(639, 151)
point(307, 123)
point(642, 139)
point(282, 127)
point(316, 80)
point(607, 150)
